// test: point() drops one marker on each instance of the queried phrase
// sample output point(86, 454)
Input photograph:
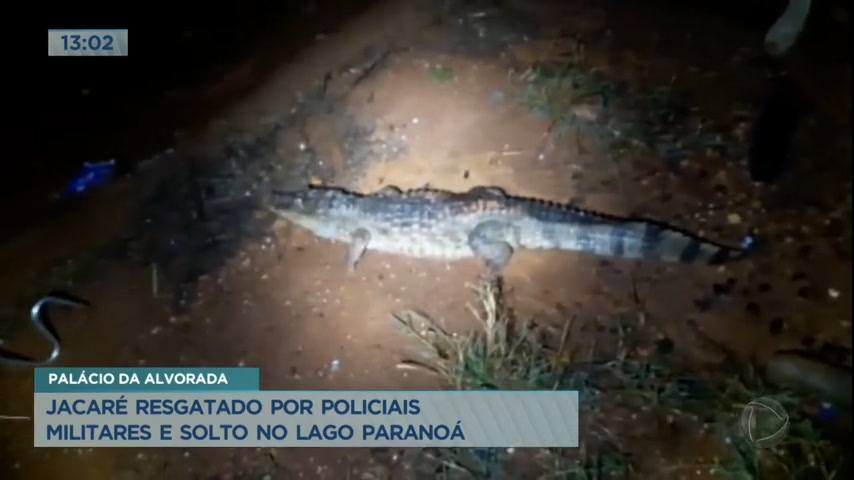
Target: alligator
point(485, 222)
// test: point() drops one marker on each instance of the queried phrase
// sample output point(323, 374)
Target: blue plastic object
point(826, 412)
point(90, 175)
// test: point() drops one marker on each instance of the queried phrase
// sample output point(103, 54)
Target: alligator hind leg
point(358, 245)
point(488, 241)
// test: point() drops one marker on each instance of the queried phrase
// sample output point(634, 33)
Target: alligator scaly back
point(485, 222)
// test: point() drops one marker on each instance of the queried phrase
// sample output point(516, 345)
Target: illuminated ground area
point(442, 97)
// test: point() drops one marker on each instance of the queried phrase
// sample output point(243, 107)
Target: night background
point(661, 109)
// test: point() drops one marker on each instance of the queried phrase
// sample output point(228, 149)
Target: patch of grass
point(442, 73)
point(803, 453)
point(579, 97)
point(500, 356)
point(568, 94)
point(266, 467)
point(632, 407)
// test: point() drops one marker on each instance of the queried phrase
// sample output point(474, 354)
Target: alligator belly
point(448, 245)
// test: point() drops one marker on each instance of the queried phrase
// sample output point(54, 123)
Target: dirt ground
point(433, 96)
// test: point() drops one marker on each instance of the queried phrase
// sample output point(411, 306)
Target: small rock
point(733, 218)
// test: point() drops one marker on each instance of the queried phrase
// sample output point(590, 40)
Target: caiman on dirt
point(484, 222)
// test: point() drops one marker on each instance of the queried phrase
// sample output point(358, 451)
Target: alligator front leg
point(489, 242)
point(358, 245)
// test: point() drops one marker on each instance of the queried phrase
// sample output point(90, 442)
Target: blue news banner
point(224, 407)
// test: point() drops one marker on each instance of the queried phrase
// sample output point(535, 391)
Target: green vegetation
point(442, 73)
point(634, 408)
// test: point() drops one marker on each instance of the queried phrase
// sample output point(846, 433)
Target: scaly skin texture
point(484, 222)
